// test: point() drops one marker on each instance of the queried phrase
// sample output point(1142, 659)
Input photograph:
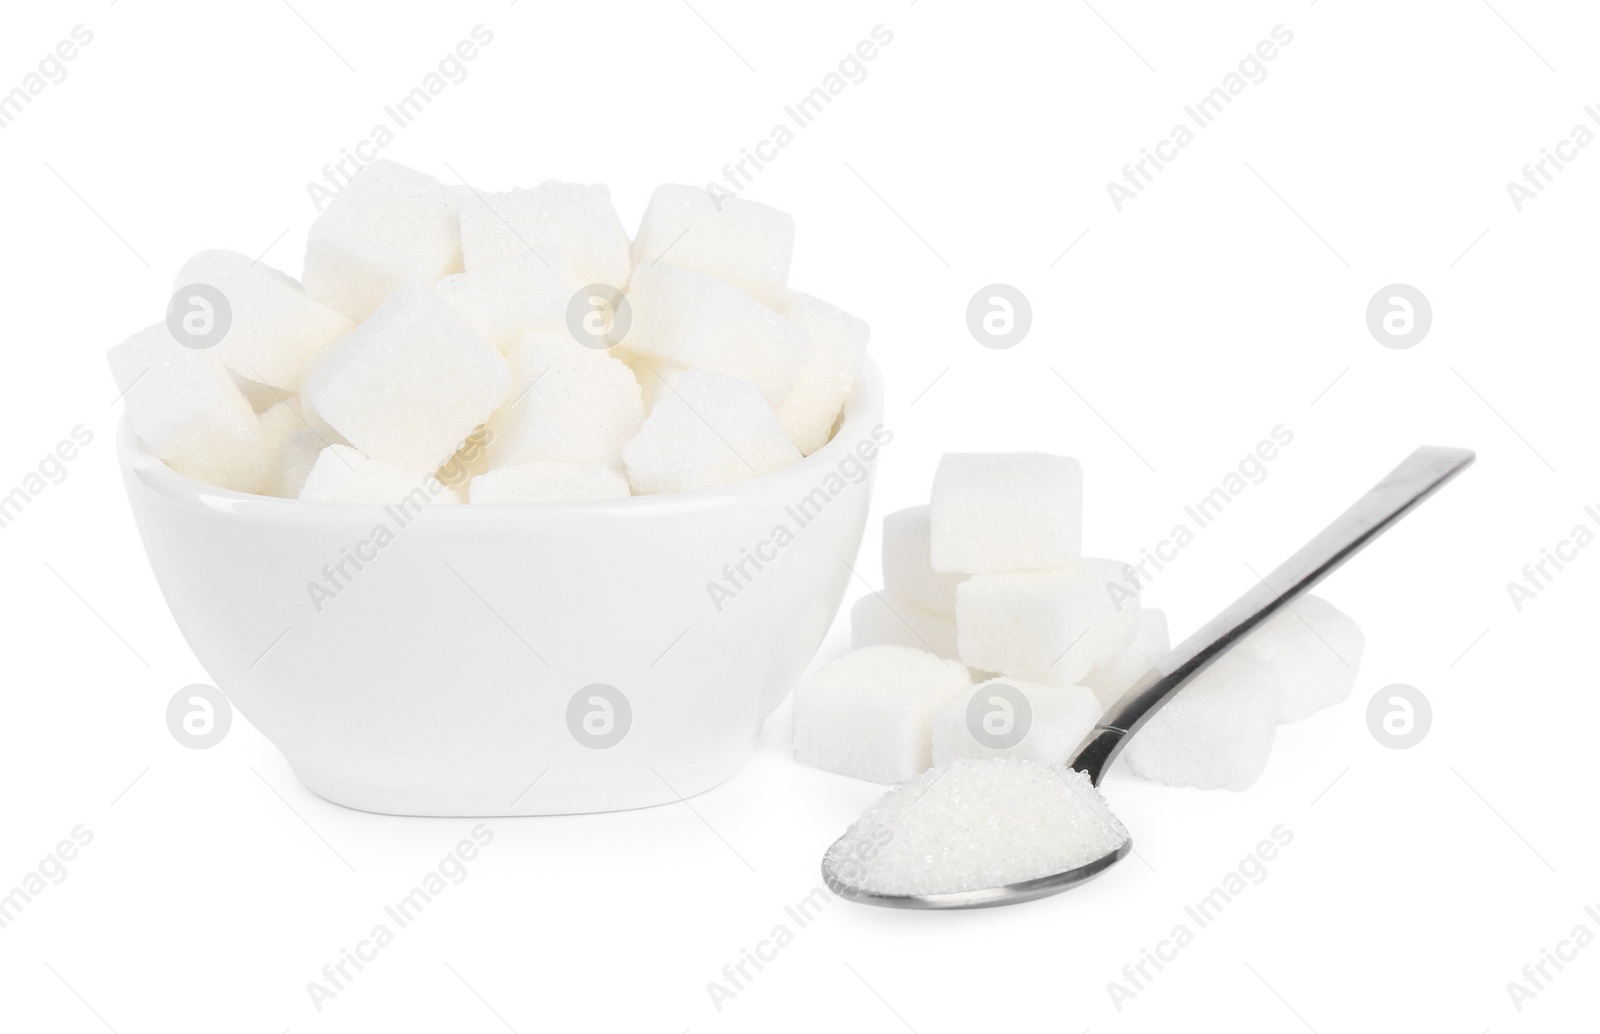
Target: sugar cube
point(1214, 734)
point(186, 408)
point(1006, 717)
point(568, 403)
point(838, 341)
point(696, 320)
point(1305, 655)
point(412, 382)
point(711, 430)
point(1043, 626)
point(468, 462)
point(576, 218)
point(544, 482)
point(653, 375)
point(973, 825)
point(868, 714)
point(261, 397)
point(297, 436)
point(1017, 511)
point(879, 618)
point(907, 571)
point(343, 475)
point(528, 291)
point(744, 242)
point(1111, 679)
point(273, 327)
point(390, 224)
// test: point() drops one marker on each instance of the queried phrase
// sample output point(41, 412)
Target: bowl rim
point(864, 404)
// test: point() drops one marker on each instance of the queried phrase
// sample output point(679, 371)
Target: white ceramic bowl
point(452, 673)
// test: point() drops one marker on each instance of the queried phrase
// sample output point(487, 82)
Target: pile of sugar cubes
point(992, 624)
point(443, 345)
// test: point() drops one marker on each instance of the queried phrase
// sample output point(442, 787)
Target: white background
point(1227, 299)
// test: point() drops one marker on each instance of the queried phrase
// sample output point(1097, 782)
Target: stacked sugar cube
point(429, 354)
point(995, 637)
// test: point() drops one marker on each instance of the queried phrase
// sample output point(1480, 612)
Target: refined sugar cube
point(1043, 626)
point(696, 320)
point(261, 397)
point(274, 328)
point(343, 475)
point(389, 225)
point(468, 462)
point(1305, 656)
point(526, 292)
point(838, 342)
point(576, 218)
point(907, 570)
point(411, 383)
point(653, 375)
point(1211, 735)
point(543, 482)
point(433, 333)
point(186, 408)
point(974, 825)
point(868, 714)
point(1052, 725)
point(744, 242)
point(291, 413)
point(709, 431)
point(297, 436)
point(1116, 676)
point(1019, 511)
point(1311, 649)
point(1218, 730)
point(567, 404)
point(884, 618)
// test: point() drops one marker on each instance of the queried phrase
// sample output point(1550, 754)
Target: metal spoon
point(1419, 476)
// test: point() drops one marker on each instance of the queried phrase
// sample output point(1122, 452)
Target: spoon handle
point(1417, 477)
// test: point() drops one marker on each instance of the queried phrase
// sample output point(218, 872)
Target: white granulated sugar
point(529, 291)
point(273, 329)
point(744, 242)
point(907, 571)
point(391, 224)
point(542, 482)
point(343, 475)
point(1111, 679)
point(838, 342)
point(567, 404)
point(187, 409)
point(1044, 626)
point(867, 714)
point(576, 218)
point(885, 618)
point(974, 825)
point(696, 320)
point(709, 430)
point(1010, 511)
point(411, 383)
point(1054, 725)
